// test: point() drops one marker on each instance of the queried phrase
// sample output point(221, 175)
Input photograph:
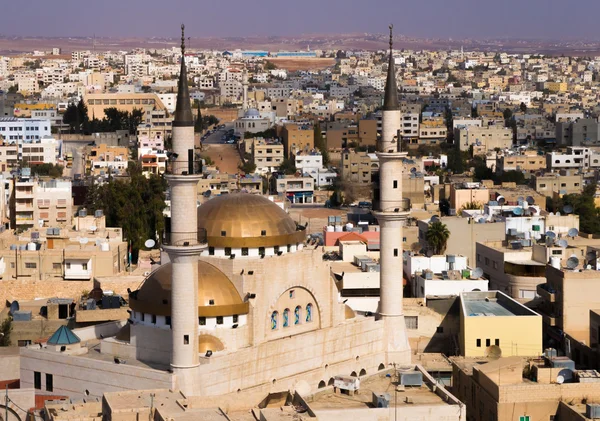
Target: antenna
point(476, 273)
point(149, 243)
point(572, 262)
point(573, 232)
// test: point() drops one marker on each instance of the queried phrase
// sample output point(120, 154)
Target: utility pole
point(6, 404)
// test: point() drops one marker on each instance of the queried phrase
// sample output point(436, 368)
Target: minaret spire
point(183, 111)
point(390, 101)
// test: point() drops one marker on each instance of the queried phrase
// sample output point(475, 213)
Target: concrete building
point(578, 132)
point(522, 162)
point(106, 159)
point(296, 189)
point(98, 102)
point(483, 139)
point(359, 167)
point(491, 323)
point(576, 158)
point(267, 155)
point(24, 130)
point(297, 138)
point(564, 182)
point(252, 122)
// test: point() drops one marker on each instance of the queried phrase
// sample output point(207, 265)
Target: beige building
point(558, 183)
point(512, 389)
point(358, 167)
point(98, 102)
point(41, 203)
point(267, 154)
point(106, 158)
point(297, 138)
point(491, 324)
point(526, 162)
point(295, 189)
point(462, 194)
point(484, 138)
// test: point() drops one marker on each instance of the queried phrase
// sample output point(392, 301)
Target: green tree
point(247, 167)
point(320, 144)
point(76, 116)
point(198, 125)
point(50, 170)
point(523, 107)
point(437, 237)
point(269, 65)
point(288, 166)
point(5, 330)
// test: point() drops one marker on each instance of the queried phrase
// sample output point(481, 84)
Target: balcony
point(185, 239)
point(546, 293)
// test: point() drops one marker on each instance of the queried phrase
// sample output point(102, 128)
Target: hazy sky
point(420, 18)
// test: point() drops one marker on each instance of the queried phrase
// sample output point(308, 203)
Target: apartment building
point(564, 182)
point(358, 167)
point(529, 162)
point(295, 189)
point(492, 323)
point(24, 130)
point(576, 158)
point(340, 134)
point(484, 138)
point(267, 155)
point(158, 125)
point(297, 138)
point(579, 132)
point(430, 132)
point(154, 162)
point(41, 203)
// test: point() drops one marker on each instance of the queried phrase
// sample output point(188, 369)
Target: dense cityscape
point(305, 233)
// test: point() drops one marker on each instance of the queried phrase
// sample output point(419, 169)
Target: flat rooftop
point(379, 384)
point(491, 304)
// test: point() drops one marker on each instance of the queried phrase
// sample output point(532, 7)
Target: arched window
point(297, 315)
point(274, 317)
point(286, 317)
point(309, 308)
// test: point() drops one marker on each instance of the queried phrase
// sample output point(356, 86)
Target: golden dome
point(154, 296)
point(247, 220)
point(209, 342)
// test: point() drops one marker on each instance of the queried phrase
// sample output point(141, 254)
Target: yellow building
point(297, 137)
point(492, 324)
point(556, 86)
point(97, 103)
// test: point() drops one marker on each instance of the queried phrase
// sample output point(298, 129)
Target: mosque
point(244, 303)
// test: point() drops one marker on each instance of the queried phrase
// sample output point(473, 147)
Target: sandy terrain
point(225, 157)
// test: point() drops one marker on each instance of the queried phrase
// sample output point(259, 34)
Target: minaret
point(391, 214)
point(245, 86)
point(184, 242)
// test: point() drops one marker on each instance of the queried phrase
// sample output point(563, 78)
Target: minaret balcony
point(185, 239)
point(183, 167)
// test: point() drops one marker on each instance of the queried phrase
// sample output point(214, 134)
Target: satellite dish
point(518, 211)
point(413, 170)
point(573, 232)
point(14, 307)
point(530, 200)
point(149, 243)
point(567, 209)
point(572, 262)
point(93, 228)
point(532, 210)
point(429, 253)
point(560, 379)
point(562, 243)
point(493, 351)
point(433, 219)
point(482, 220)
point(550, 234)
point(557, 213)
point(501, 200)
point(573, 255)
point(83, 241)
point(476, 273)
point(520, 199)
point(565, 374)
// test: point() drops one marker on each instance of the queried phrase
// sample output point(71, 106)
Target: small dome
point(252, 113)
point(247, 220)
point(154, 296)
point(209, 343)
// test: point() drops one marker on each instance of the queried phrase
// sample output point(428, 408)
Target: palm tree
point(437, 237)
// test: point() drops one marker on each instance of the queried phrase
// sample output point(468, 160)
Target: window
point(37, 380)
point(497, 342)
point(286, 317)
point(440, 329)
point(49, 383)
point(261, 251)
point(525, 418)
point(56, 266)
point(219, 320)
point(227, 251)
point(263, 233)
point(211, 251)
point(143, 316)
point(395, 252)
point(168, 320)
point(555, 252)
point(186, 339)
point(297, 315)
point(292, 293)
point(235, 318)
point(84, 266)
point(487, 261)
point(202, 321)
point(30, 265)
point(223, 233)
point(395, 184)
point(488, 342)
point(412, 322)
point(478, 343)
point(154, 319)
point(274, 317)
point(495, 264)
point(309, 308)
point(68, 265)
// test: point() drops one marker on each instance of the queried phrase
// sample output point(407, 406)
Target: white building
point(24, 130)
